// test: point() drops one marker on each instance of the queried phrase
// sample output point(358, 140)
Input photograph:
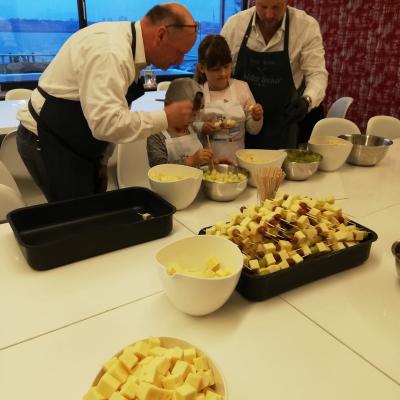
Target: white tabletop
point(361, 307)
point(266, 350)
point(150, 101)
point(35, 302)
point(8, 113)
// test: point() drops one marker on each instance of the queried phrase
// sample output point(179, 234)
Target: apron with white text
point(270, 79)
point(225, 141)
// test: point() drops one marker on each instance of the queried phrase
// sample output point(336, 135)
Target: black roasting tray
point(314, 267)
point(54, 234)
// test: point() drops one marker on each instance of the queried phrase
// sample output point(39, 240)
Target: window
point(32, 32)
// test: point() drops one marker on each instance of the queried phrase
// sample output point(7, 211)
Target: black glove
point(296, 110)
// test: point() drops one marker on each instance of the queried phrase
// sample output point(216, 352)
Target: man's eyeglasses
point(195, 26)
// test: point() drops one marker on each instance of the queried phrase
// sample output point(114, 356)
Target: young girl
point(230, 109)
point(179, 144)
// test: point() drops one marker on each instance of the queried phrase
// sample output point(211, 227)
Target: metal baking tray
point(59, 233)
point(261, 287)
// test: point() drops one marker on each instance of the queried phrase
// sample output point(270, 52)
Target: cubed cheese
point(128, 389)
point(189, 355)
point(93, 394)
point(185, 392)
point(269, 259)
point(107, 385)
point(181, 368)
point(118, 371)
point(201, 363)
point(172, 381)
point(194, 380)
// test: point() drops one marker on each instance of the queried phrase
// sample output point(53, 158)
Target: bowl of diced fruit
point(199, 273)
point(178, 184)
point(158, 368)
point(224, 182)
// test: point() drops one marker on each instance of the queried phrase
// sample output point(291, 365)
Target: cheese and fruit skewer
point(283, 231)
point(147, 370)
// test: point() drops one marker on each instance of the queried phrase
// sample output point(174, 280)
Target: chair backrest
point(385, 126)
point(18, 94)
point(334, 127)
point(339, 108)
point(7, 179)
point(163, 85)
point(9, 200)
point(9, 155)
point(132, 164)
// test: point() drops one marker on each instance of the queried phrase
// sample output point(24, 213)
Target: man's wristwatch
point(308, 101)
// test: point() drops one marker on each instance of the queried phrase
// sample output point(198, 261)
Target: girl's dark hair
point(213, 51)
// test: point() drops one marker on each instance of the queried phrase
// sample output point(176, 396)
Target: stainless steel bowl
point(225, 191)
point(396, 254)
point(367, 150)
point(300, 170)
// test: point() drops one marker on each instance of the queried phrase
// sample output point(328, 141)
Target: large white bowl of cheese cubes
point(199, 273)
point(178, 184)
point(252, 159)
point(164, 368)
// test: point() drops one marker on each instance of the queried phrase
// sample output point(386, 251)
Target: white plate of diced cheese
point(165, 368)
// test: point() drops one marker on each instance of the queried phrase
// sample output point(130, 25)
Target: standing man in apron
point(278, 51)
point(81, 106)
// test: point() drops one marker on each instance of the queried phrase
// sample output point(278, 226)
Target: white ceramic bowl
point(251, 159)
point(170, 342)
point(196, 295)
point(334, 151)
point(180, 192)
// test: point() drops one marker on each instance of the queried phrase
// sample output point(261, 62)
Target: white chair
point(9, 201)
point(385, 126)
point(9, 155)
point(334, 127)
point(339, 108)
point(10, 195)
point(163, 85)
point(18, 94)
point(7, 179)
point(132, 164)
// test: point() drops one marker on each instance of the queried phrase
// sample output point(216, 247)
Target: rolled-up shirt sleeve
point(103, 83)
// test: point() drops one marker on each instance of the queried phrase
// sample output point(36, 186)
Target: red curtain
point(362, 45)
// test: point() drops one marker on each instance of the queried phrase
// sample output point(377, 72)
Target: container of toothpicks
point(268, 180)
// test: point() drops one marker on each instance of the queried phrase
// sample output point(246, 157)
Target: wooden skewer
point(209, 146)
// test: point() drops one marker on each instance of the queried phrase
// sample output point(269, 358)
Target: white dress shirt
point(306, 50)
point(96, 67)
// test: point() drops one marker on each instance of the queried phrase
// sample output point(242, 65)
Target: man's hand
point(296, 110)
point(202, 156)
point(179, 113)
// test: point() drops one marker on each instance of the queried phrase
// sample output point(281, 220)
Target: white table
point(360, 307)
point(336, 338)
point(150, 101)
point(266, 350)
point(8, 113)
point(35, 302)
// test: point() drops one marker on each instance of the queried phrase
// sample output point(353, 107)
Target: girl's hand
point(224, 160)
point(202, 156)
point(208, 128)
point(257, 112)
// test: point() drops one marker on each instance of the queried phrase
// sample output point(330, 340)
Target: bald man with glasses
point(81, 107)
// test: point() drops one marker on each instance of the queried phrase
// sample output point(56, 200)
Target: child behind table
point(180, 144)
point(230, 109)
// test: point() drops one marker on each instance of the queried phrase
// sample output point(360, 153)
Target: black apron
point(70, 152)
point(270, 79)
